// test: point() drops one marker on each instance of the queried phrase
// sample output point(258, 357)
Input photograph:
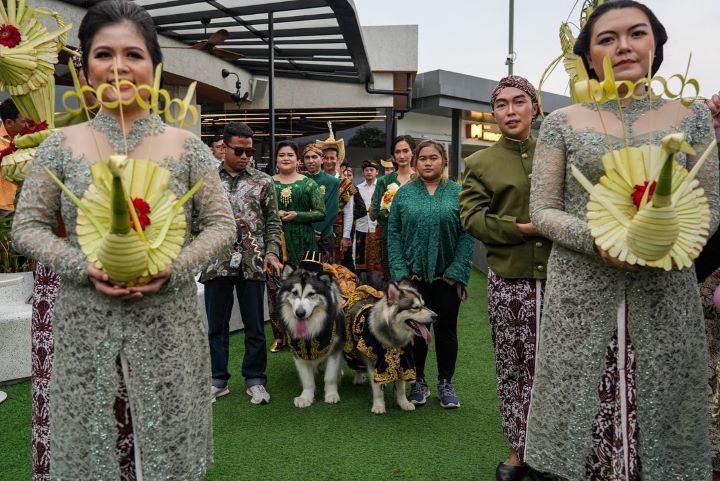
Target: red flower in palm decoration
point(637, 195)
point(32, 127)
point(9, 35)
point(142, 209)
point(7, 150)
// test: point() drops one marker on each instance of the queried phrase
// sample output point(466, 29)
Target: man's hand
point(526, 229)
point(272, 264)
point(345, 244)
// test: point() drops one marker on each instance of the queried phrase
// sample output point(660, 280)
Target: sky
point(471, 36)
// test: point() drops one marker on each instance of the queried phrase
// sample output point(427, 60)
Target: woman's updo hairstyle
point(287, 143)
point(582, 44)
point(111, 12)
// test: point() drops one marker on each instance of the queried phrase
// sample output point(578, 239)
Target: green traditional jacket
point(330, 187)
point(495, 196)
point(425, 237)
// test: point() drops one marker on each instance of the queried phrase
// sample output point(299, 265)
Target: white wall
point(317, 94)
point(392, 47)
point(427, 126)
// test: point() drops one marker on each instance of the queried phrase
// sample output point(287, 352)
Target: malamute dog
point(380, 332)
point(310, 306)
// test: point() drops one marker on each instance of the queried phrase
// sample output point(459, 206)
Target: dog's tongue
point(301, 328)
point(424, 332)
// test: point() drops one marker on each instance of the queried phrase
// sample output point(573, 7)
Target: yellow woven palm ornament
point(647, 209)
point(28, 54)
point(130, 224)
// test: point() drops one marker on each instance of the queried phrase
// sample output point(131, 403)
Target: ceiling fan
point(210, 45)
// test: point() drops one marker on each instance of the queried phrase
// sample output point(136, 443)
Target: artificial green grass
point(335, 442)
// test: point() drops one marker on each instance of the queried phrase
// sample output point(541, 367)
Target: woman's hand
point(287, 216)
point(459, 288)
point(618, 264)
point(157, 281)
point(713, 104)
point(102, 284)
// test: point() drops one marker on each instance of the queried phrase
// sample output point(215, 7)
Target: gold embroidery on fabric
point(286, 196)
point(301, 346)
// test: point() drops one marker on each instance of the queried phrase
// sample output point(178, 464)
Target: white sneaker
point(258, 394)
point(217, 392)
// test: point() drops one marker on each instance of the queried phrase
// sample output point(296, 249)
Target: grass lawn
point(334, 442)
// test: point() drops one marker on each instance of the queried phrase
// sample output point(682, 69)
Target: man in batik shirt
point(251, 194)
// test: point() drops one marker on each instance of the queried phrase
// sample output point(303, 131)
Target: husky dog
point(380, 333)
point(310, 306)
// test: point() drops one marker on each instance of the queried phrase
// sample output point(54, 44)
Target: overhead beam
point(260, 21)
point(289, 32)
point(261, 8)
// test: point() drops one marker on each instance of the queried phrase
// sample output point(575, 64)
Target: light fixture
point(237, 97)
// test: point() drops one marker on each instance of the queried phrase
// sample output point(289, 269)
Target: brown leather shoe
point(277, 345)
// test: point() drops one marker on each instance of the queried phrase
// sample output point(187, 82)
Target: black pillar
point(390, 128)
point(456, 146)
point(271, 94)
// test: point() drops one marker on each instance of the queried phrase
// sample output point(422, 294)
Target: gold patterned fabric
point(393, 364)
point(319, 346)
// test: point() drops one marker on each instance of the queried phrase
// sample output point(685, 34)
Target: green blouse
point(304, 197)
point(425, 237)
point(382, 215)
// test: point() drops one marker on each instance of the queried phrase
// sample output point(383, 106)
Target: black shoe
point(538, 476)
point(509, 472)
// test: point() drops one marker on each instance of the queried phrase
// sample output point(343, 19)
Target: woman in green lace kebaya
point(300, 203)
point(155, 330)
point(427, 245)
point(611, 330)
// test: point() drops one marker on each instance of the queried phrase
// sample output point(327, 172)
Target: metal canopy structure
point(312, 39)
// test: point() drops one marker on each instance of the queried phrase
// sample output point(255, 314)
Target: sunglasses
point(239, 151)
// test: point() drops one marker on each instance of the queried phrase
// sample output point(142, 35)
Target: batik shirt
point(252, 199)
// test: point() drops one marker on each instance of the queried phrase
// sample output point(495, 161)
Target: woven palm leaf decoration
point(129, 223)
point(647, 209)
point(28, 54)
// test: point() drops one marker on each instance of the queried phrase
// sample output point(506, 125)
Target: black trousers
point(442, 298)
point(218, 306)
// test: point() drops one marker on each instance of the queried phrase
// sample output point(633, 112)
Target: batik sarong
point(514, 307)
point(45, 290)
